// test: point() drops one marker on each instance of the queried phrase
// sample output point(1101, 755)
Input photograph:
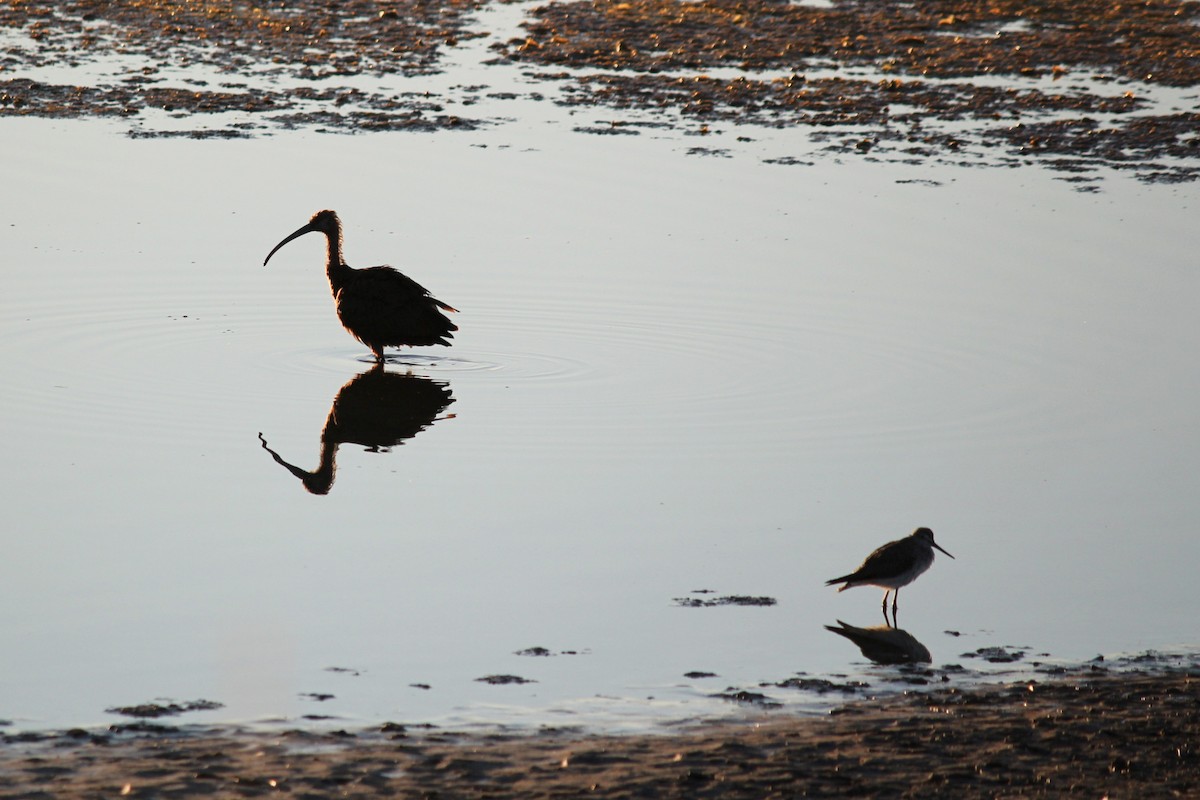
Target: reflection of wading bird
point(894, 565)
point(378, 409)
point(884, 644)
point(380, 306)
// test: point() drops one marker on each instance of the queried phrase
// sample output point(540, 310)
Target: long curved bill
point(935, 544)
point(309, 229)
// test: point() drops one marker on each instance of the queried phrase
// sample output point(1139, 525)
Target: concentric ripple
point(673, 366)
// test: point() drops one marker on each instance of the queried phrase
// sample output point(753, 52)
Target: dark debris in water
point(154, 710)
point(727, 600)
point(821, 685)
point(606, 130)
point(545, 652)
point(997, 655)
point(1158, 661)
point(719, 152)
point(912, 678)
point(319, 697)
point(504, 680)
point(749, 698)
point(540, 652)
point(142, 727)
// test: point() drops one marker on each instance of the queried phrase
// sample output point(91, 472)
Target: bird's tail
point(443, 306)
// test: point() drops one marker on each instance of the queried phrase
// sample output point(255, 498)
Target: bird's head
point(926, 535)
point(325, 222)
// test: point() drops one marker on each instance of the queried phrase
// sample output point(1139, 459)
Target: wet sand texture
point(1120, 736)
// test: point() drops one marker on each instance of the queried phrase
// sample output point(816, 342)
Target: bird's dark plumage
point(379, 306)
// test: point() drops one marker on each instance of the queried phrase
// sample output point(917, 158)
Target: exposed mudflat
point(1070, 85)
point(1090, 734)
point(310, 42)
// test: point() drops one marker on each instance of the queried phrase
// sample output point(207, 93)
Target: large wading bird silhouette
point(379, 306)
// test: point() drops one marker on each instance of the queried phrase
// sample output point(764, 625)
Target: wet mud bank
point(223, 57)
point(1066, 84)
point(1088, 734)
point(1075, 86)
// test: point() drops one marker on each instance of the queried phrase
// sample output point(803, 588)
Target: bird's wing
point(879, 564)
point(876, 565)
point(387, 306)
point(397, 280)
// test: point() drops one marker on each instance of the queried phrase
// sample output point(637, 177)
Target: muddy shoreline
point(1092, 733)
point(1077, 87)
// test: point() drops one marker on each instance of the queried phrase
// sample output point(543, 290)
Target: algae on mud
point(969, 82)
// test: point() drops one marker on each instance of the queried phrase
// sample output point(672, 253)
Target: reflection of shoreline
point(884, 644)
point(378, 410)
point(1021, 740)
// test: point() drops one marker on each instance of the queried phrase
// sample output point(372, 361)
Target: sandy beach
point(1093, 734)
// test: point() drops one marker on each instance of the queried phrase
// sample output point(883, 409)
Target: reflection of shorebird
point(378, 410)
point(884, 644)
point(894, 565)
point(380, 306)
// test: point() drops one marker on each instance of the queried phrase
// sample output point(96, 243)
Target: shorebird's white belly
point(903, 578)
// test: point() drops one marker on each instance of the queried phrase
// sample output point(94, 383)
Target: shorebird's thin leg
point(884, 605)
point(895, 597)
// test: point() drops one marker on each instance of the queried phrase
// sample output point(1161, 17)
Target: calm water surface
point(674, 373)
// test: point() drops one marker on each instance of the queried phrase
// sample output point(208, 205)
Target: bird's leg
point(884, 605)
point(895, 597)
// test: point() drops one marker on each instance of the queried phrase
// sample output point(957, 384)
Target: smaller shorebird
point(894, 565)
point(379, 306)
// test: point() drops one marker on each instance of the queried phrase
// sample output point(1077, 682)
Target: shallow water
point(673, 373)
